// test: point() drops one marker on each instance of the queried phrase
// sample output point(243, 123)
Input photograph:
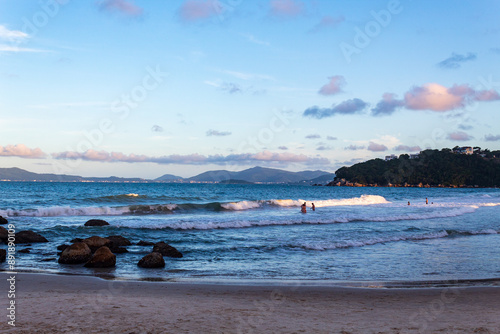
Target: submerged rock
point(78, 252)
point(4, 234)
point(119, 241)
point(145, 243)
point(96, 242)
point(152, 260)
point(102, 258)
point(96, 222)
point(117, 250)
point(63, 247)
point(166, 250)
point(26, 250)
point(26, 237)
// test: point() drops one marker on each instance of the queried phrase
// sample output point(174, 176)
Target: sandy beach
point(80, 304)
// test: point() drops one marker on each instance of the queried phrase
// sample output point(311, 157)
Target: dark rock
point(96, 242)
point(78, 252)
point(62, 247)
point(76, 240)
point(96, 222)
point(26, 237)
point(166, 250)
point(152, 260)
point(48, 259)
point(118, 240)
point(102, 258)
point(3, 220)
point(3, 255)
point(118, 250)
point(26, 250)
point(4, 234)
point(145, 243)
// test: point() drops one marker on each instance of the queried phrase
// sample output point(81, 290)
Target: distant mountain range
point(251, 175)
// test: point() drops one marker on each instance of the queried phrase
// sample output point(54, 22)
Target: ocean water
point(257, 232)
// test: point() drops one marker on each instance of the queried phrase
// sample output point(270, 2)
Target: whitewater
point(258, 231)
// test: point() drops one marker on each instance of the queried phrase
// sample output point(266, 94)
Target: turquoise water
point(258, 231)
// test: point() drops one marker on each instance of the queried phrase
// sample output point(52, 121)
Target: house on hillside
point(390, 157)
point(415, 156)
point(463, 150)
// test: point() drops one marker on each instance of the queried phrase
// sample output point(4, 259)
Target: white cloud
point(12, 35)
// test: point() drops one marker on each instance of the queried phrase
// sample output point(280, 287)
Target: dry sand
point(76, 304)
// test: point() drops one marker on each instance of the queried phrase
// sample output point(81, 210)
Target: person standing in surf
point(303, 208)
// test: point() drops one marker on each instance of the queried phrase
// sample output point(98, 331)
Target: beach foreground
point(79, 304)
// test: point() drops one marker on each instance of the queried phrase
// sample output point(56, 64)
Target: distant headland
point(457, 168)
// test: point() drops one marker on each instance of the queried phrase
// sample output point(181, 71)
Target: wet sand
point(79, 304)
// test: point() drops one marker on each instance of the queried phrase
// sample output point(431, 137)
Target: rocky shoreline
point(94, 251)
point(345, 183)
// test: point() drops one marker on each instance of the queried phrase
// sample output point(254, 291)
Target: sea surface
point(257, 232)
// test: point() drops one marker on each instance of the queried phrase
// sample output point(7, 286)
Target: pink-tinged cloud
point(374, 147)
point(434, 97)
point(193, 159)
point(407, 148)
point(286, 8)
point(459, 136)
point(198, 10)
point(487, 95)
point(121, 6)
point(22, 151)
point(334, 86)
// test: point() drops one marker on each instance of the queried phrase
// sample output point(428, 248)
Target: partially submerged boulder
point(4, 234)
point(102, 258)
point(166, 250)
point(152, 260)
point(27, 237)
point(3, 220)
point(119, 241)
point(145, 243)
point(96, 242)
point(3, 255)
point(78, 252)
point(96, 222)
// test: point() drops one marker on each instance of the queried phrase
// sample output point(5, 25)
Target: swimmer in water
point(303, 208)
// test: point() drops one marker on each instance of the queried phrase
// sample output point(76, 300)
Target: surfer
point(303, 208)
point(426, 201)
point(408, 202)
point(313, 207)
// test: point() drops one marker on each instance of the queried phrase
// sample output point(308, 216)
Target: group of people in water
point(426, 201)
point(303, 207)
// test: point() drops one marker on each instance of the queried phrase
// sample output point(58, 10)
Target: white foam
point(243, 205)
point(362, 200)
point(66, 211)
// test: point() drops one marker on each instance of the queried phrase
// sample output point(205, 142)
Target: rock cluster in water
point(94, 251)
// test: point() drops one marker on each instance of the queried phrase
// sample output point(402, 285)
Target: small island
point(457, 167)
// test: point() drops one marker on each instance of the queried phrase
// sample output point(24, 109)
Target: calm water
point(258, 232)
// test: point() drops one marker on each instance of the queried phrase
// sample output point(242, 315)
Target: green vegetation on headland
point(432, 168)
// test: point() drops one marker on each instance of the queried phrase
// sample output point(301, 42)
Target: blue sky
point(145, 88)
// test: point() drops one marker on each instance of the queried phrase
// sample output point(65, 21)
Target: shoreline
point(369, 284)
point(82, 304)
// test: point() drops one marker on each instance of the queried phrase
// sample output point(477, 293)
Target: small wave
point(362, 200)
point(374, 241)
point(243, 205)
point(65, 211)
point(89, 211)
